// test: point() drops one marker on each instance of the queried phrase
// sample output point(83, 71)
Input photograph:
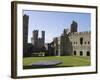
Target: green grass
point(67, 61)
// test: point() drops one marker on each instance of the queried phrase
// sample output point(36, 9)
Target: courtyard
point(67, 61)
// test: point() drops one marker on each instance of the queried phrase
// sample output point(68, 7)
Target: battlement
point(79, 33)
point(35, 30)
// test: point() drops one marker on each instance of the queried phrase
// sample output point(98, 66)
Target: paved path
point(47, 63)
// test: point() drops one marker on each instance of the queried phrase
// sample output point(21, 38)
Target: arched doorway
point(75, 53)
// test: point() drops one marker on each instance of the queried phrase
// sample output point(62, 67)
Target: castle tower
point(36, 41)
point(43, 37)
point(34, 38)
point(25, 33)
point(25, 28)
point(74, 26)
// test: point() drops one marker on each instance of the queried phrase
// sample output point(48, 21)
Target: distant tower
point(74, 26)
point(25, 33)
point(34, 38)
point(43, 37)
point(25, 28)
point(37, 41)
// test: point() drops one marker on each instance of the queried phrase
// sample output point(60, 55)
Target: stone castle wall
point(73, 42)
point(80, 43)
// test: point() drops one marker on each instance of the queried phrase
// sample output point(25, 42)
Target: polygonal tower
point(25, 28)
point(34, 38)
point(43, 37)
point(25, 34)
point(74, 26)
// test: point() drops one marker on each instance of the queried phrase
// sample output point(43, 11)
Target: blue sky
point(53, 23)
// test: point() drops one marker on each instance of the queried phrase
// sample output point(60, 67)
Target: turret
point(43, 36)
point(74, 26)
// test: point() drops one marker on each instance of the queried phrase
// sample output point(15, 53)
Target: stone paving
point(47, 63)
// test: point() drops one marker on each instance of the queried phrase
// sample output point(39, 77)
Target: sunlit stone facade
point(73, 42)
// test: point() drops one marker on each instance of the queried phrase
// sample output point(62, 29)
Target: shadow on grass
point(38, 67)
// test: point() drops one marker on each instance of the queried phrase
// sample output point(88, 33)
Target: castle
point(71, 42)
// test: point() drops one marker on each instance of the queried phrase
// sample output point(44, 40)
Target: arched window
point(88, 53)
point(81, 40)
point(88, 42)
point(81, 53)
point(74, 52)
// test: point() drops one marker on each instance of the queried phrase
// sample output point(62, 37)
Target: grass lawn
point(67, 61)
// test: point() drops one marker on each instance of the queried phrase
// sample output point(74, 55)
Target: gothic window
point(81, 53)
point(81, 40)
point(85, 42)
